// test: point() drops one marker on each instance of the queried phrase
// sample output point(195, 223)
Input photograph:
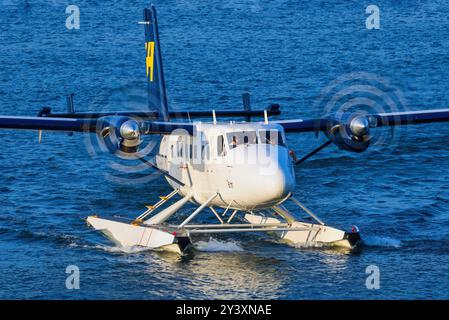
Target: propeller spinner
point(121, 135)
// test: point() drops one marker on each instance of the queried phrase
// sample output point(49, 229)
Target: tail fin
point(157, 96)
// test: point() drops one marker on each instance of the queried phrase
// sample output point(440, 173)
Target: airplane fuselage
point(246, 165)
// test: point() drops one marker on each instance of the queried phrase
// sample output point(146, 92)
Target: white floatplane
point(234, 172)
point(240, 173)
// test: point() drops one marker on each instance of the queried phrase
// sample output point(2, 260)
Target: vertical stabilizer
point(157, 96)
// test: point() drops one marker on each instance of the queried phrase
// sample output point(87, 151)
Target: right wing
point(42, 123)
point(351, 131)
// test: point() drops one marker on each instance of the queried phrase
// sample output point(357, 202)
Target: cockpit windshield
point(241, 137)
point(273, 137)
point(238, 138)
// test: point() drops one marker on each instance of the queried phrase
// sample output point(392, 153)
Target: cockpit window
point(273, 137)
point(240, 138)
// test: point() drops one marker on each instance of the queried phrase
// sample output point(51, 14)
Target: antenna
point(214, 117)
point(265, 115)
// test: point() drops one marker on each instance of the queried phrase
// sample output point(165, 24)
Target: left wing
point(382, 119)
point(412, 117)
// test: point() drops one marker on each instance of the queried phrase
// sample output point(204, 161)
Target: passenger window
point(221, 150)
point(179, 149)
point(196, 151)
point(180, 145)
point(206, 151)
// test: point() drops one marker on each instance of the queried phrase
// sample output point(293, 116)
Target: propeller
point(120, 135)
point(351, 132)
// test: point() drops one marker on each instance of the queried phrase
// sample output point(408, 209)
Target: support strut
point(324, 145)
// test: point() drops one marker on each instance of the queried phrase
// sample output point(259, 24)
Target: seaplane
point(238, 172)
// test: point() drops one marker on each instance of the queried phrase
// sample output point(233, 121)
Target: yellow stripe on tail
point(149, 47)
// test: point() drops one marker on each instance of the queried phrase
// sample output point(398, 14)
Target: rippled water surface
point(284, 52)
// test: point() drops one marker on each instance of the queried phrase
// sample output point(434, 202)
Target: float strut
point(198, 210)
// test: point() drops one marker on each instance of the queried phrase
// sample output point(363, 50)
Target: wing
point(299, 125)
point(351, 131)
point(412, 117)
point(54, 124)
point(90, 125)
point(382, 119)
point(118, 133)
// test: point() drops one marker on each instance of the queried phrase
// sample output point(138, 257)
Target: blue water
point(284, 52)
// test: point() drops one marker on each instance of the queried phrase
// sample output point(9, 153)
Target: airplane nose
point(276, 184)
point(266, 179)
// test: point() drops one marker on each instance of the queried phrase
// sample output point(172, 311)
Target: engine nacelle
point(351, 132)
